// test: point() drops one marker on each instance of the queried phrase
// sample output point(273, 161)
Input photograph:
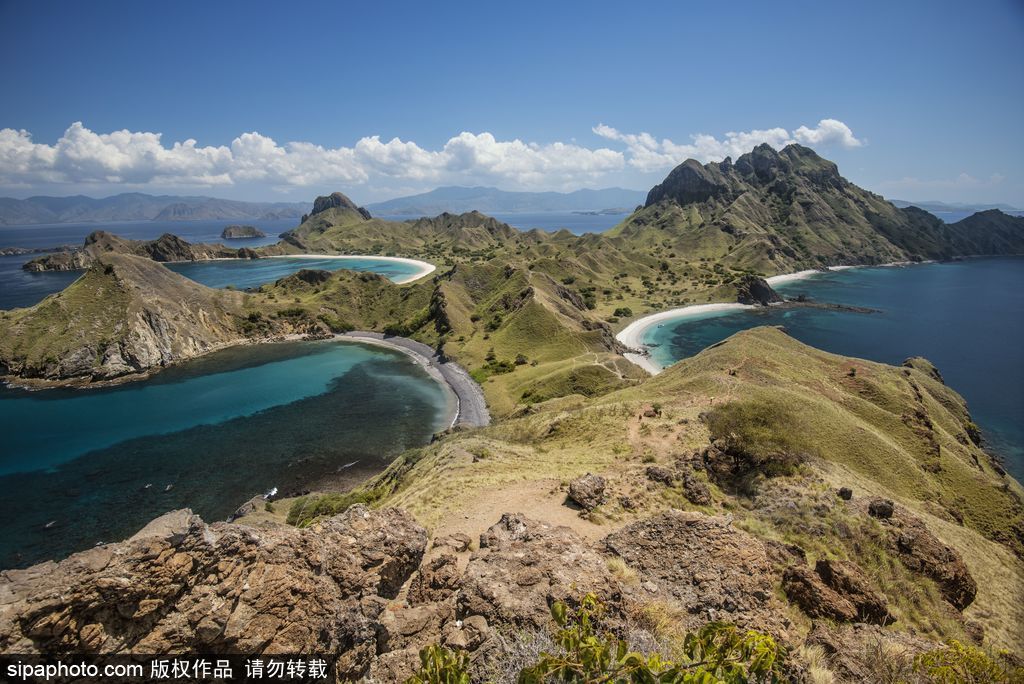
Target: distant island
point(137, 206)
point(457, 200)
point(614, 211)
point(236, 232)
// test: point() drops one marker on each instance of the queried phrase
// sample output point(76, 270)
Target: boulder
point(523, 566)
point(880, 508)
point(661, 474)
point(845, 493)
point(806, 589)
point(705, 566)
point(436, 581)
point(849, 581)
point(588, 491)
point(696, 490)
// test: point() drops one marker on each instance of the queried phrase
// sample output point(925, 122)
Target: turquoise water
point(253, 273)
point(967, 317)
point(219, 430)
point(21, 288)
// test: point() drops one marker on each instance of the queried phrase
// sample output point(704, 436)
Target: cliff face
point(125, 315)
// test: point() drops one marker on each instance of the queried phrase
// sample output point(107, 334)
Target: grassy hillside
point(889, 431)
point(125, 315)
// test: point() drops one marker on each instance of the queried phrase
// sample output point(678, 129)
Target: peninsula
point(835, 506)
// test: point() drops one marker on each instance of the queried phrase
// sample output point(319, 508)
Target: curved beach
point(470, 407)
point(632, 335)
point(424, 268)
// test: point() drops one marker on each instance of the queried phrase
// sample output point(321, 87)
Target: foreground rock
point(523, 566)
point(704, 566)
point(588, 491)
point(923, 553)
point(182, 586)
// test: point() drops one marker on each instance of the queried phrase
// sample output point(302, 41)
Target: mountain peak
point(337, 200)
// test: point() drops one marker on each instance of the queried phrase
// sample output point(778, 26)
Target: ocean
point(206, 435)
point(967, 317)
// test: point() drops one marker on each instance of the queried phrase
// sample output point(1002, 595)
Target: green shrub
point(762, 435)
point(438, 665)
point(623, 312)
point(716, 654)
point(957, 663)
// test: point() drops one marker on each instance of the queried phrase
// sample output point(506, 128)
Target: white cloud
point(648, 154)
point(82, 158)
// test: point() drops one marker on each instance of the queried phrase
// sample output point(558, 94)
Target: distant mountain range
point(458, 200)
point(946, 207)
point(135, 206)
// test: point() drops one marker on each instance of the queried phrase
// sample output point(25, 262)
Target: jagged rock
point(436, 580)
point(468, 634)
point(849, 581)
point(696, 490)
point(923, 553)
point(880, 508)
point(806, 589)
point(182, 586)
point(752, 289)
point(523, 566)
point(845, 493)
point(704, 565)
point(457, 542)
point(661, 474)
point(336, 200)
point(588, 491)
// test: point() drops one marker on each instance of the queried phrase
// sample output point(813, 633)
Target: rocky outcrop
point(704, 565)
point(588, 491)
point(182, 586)
point(523, 565)
point(923, 553)
point(166, 248)
point(237, 232)
point(837, 590)
point(336, 200)
point(751, 289)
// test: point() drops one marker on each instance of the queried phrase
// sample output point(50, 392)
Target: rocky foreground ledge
point(364, 587)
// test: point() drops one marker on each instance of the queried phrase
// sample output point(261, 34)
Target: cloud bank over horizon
point(115, 161)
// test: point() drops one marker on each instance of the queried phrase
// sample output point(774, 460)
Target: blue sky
point(921, 100)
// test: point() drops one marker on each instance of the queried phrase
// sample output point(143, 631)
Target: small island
point(241, 232)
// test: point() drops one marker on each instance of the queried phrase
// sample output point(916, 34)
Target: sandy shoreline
point(632, 335)
point(424, 268)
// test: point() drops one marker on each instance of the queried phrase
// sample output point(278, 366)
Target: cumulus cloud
point(646, 153)
point(82, 157)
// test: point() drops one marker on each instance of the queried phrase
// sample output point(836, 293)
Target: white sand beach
point(632, 335)
point(424, 267)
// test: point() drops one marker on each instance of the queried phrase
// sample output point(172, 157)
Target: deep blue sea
point(218, 430)
point(967, 317)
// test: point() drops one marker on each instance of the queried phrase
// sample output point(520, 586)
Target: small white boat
point(168, 488)
point(272, 492)
point(49, 524)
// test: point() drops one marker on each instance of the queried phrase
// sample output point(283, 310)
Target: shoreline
point(425, 268)
point(470, 406)
point(632, 335)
